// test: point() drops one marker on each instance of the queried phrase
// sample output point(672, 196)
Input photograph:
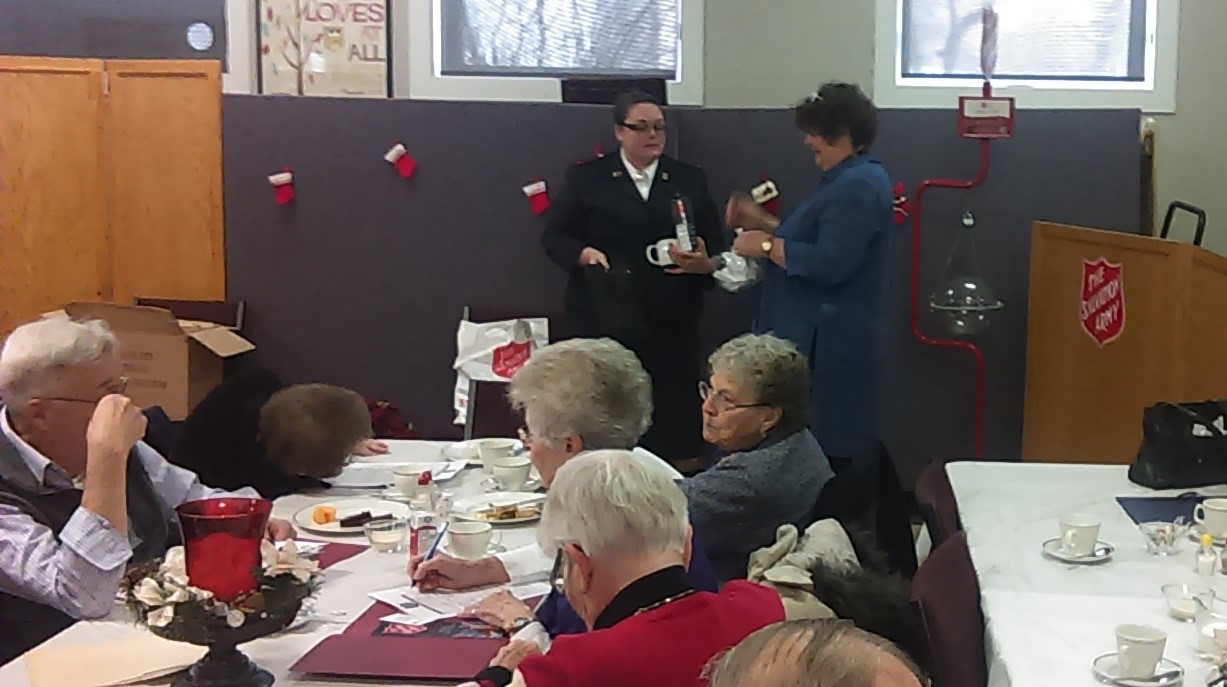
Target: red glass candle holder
point(221, 541)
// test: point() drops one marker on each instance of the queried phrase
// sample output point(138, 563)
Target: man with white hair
point(80, 494)
point(620, 538)
point(802, 653)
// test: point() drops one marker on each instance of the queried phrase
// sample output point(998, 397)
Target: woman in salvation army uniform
point(612, 229)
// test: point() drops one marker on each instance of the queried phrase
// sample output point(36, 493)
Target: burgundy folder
point(334, 553)
point(357, 654)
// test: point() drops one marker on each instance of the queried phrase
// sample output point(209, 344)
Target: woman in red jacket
point(621, 541)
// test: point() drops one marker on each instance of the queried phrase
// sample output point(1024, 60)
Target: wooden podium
point(1116, 323)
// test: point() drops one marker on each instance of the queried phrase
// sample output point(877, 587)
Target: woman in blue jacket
point(826, 268)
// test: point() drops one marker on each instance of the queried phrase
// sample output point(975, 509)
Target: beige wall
point(771, 53)
point(1191, 156)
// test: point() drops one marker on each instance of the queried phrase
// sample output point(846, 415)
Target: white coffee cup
point(470, 539)
point(491, 450)
point(1138, 650)
point(1079, 533)
point(658, 253)
point(511, 473)
point(1212, 515)
point(1212, 639)
point(405, 479)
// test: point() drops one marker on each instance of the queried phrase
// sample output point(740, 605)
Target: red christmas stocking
point(538, 197)
point(767, 195)
point(902, 208)
point(283, 186)
point(400, 158)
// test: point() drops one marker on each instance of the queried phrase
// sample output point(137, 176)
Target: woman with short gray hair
point(755, 410)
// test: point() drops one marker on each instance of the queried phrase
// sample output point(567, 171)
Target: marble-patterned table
point(1046, 621)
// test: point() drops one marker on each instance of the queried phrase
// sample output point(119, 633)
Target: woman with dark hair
point(826, 268)
point(609, 229)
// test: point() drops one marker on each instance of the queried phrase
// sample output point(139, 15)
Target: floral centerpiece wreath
point(227, 585)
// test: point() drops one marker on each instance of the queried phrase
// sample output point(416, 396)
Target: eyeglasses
point(118, 387)
point(557, 574)
point(644, 127)
point(722, 403)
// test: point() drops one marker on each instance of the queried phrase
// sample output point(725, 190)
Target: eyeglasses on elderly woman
point(720, 401)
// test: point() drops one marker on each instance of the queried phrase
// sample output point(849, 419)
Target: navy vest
point(24, 624)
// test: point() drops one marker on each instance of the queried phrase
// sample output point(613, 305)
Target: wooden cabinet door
point(164, 167)
point(53, 216)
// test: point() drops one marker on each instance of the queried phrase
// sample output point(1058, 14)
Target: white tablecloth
point(342, 598)
point(1046, 621)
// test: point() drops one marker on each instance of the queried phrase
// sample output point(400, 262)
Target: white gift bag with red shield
point(493, 352)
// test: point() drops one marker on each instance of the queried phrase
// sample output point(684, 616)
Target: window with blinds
point(1039, 40)
point(559, 38)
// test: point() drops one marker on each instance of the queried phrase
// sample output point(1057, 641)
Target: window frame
point(1156, 93)
point(421, 52)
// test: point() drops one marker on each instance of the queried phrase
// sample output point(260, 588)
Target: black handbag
point(1184, 445)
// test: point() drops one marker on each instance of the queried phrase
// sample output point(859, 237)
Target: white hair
point(610, 502)
point(594, 388)
point(37, 353)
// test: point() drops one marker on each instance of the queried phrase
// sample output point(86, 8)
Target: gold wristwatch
point(767, 246)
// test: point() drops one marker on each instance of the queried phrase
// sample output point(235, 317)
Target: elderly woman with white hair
point(578, 395)
point(80, 494)
point(755, 410)
point(617, 531)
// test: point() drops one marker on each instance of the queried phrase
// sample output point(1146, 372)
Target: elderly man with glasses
point(80, 494)
point(618, 531)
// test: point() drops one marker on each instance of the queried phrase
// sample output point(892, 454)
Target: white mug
point(491, 450)
point(658, 253)
point(1138, 650)
point(405, 479)
point(1079, 533)
point(470, 539)
point(1212, 515)
point(511, 473)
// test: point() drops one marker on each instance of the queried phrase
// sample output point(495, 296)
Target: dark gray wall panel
point(361, 281)
point(118, 29)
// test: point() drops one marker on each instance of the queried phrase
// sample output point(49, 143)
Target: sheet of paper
point(418, 616)
point(122, 661)
point(306, 549)
point(409, 600)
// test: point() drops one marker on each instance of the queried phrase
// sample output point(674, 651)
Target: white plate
point(468, 450)
point(345, 508)
point(1168, 672)
point(465, 508)
point(381, 475)
point(1052, 548)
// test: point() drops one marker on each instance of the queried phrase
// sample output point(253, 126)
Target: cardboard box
point(169, 363)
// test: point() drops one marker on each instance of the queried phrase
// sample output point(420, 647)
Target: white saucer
point(1052, 548)
point(1196, 530)
point(1167, 674)
point(446, 548)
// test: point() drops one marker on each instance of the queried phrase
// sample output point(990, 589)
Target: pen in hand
point(434, 548)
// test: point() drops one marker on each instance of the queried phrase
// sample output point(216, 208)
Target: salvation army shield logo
point(1102, 308)
point(510, 357)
